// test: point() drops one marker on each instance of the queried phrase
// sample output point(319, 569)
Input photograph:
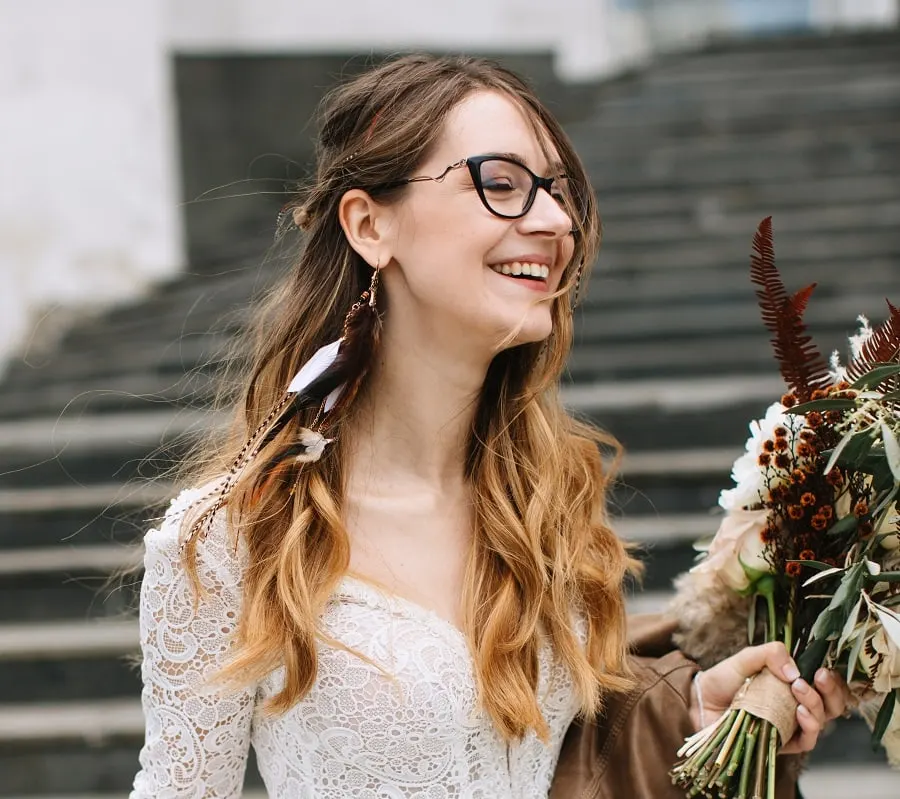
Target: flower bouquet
point(809, 547)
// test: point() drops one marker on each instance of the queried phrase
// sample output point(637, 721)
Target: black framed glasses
point(506, 187)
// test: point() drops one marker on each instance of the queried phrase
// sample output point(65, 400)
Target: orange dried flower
point(818, 394)
point(778, 493)
point(808, 499)
point(825, 512)
point(764, 459)
point(798, 476)
point(861, 508)
point(781, 432)
point(805, 450)
point(818, 522)
point(788, 400)
point(814, 419)
point(841, 385)
point(768, 534)
point(769, 445)
point(793, 569)
point(866, 529)
point(781, 444)
point(835, 478)
point(833, 417)
point(795, 512)
point(807, 554)
point(807, 435)
point(783, 460)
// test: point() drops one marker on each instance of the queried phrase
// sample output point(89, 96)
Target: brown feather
point(800, 362)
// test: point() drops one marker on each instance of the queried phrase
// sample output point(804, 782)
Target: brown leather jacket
point(627, 752)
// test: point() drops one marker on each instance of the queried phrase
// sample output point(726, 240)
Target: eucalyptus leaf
point(892, 396)
point(835, 404)
point(812, 658)
point(886, 577)
point(751, 621)
point(852, 450)
point(831, 620)
point(822, 574)
point(849, 626)
point(854, 653)
point(884, 717)
point(817, 565)
point(843, 525)
point(891, 450)
point(876, 376)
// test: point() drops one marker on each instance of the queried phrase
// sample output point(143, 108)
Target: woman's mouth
point(523, 270)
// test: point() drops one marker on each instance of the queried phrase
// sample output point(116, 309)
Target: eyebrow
point(556, 167)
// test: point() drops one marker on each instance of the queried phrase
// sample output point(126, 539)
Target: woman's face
point(450, 254)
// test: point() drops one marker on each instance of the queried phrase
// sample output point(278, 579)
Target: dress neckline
point(370, 593)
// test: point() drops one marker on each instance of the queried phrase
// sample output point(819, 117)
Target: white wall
point(88, 206)
point(88, 202)
point(586, 35)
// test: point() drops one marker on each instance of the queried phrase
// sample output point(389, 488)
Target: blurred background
point(145, 148)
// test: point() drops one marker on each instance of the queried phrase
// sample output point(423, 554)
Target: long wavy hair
point(543, 551)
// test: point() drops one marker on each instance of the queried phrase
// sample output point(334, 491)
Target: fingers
point(834, 692)
point(807, 734)
point(774, 656)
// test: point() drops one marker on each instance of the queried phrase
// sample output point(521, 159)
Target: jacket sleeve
point(197, 735)
point(629, 749)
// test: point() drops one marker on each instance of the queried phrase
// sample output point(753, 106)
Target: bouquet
point(810, 539)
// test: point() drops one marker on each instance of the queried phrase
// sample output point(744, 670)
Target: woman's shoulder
point(219, 553)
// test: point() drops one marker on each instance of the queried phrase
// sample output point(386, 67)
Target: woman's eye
point(499, 184)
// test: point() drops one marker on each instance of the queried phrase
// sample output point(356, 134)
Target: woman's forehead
point(489, 122)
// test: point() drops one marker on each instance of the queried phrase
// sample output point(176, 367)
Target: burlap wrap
point(767, 697)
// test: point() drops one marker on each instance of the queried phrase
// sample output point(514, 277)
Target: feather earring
point(331, 379)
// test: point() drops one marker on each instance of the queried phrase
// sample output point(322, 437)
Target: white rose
point(737, 543)
point(749, 477)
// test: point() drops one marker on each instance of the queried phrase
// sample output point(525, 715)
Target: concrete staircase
point(686, 156)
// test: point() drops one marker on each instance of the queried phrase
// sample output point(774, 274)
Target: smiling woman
point(397, 577)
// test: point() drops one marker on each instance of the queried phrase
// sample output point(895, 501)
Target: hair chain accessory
point(329, 379)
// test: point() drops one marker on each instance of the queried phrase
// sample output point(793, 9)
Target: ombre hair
point(543, 552)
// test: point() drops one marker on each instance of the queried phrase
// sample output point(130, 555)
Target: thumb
point(774, 656)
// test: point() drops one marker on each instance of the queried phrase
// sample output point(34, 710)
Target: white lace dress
point(358, 733)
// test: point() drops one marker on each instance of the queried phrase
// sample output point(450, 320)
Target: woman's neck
point(416, 414)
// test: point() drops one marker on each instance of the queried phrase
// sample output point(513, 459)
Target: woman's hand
point(817, 706)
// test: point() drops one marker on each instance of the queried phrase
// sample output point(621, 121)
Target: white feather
point(334, 396)
point(315, 366)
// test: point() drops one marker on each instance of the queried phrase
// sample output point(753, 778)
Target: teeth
point(521, 268)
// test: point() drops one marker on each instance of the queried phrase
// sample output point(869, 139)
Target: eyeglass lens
point(508, 188)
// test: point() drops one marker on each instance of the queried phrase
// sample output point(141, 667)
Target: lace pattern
point(405, 725)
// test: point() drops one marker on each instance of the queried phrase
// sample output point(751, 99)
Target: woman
point(400, 581)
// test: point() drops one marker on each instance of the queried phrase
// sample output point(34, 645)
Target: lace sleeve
point(197, 736)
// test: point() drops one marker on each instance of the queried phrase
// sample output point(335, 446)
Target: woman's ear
point(367, 225)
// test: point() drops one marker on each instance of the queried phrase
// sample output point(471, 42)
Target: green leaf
point(849, 626)
point(892, 396)
point(812, 658)
point(876, 376)
point(822, 405)
point(854, 653)
point(884, 717)
point(751, 621)
point(886, 577)
point(844, 525)
point(831, 620)
point(891, 450)
point(817, 565)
